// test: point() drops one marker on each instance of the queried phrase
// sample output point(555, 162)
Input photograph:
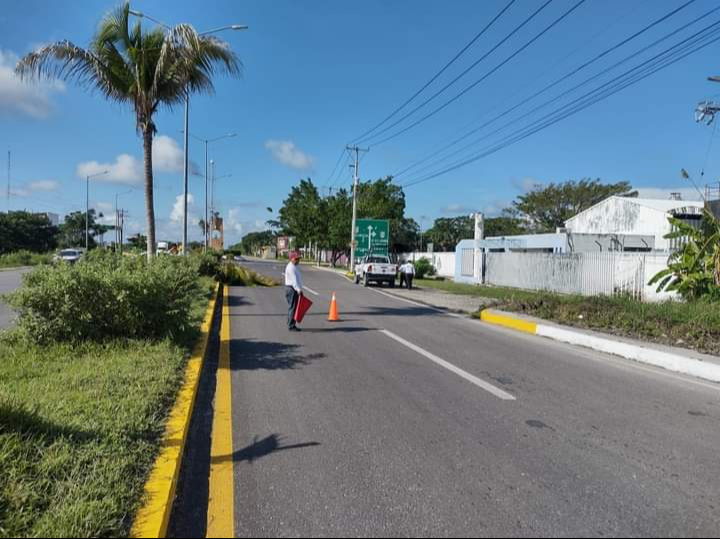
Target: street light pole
point(356, 179)
point(87, 207)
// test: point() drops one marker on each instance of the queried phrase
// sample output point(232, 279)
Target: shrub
point(234, 275)
point(108, 297)
point(23, 258)
point(424, 268)
point(208, 264)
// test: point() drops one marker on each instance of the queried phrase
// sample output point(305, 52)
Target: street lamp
point(207, 142)
point(87, 207)
point(187, 129)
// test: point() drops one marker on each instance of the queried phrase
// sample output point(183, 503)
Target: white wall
point(618, 215)
point(444, 263)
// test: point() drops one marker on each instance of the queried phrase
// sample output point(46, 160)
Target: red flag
point(303, 307)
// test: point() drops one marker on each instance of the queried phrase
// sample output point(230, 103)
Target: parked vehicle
point(71, 256)
point(376, 268)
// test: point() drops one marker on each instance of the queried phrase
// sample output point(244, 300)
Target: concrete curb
point(153, 517)
point(658, 358)
point(17, 269)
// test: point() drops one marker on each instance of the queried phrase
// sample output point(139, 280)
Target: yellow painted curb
point(497, 319)
point(221, 498)
point(152, 518)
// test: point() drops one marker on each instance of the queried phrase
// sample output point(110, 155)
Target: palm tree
point(144, 69)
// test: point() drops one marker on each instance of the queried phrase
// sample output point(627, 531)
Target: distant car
point(71, 256)
point(237, 258)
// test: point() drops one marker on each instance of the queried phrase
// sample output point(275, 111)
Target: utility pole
point(356, 179)
point(8, 185)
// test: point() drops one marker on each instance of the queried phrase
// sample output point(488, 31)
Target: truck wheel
point(357, 279)
point(392, 284)
point(366, 281)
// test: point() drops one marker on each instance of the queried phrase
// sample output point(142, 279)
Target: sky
point(318, 74)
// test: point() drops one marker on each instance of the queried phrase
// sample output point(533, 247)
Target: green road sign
point(373, 237)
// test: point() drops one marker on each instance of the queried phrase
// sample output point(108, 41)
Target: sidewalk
point(457, 303)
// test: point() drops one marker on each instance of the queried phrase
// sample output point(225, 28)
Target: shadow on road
point(238, 301)
point(262, 448)
point(252, 355)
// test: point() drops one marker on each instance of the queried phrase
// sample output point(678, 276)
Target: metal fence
point(587, 274)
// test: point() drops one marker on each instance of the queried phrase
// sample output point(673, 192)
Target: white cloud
point(19, 192)
point(125, 170)
point(661, 193)
point(104, 206)
point(24, 97)
point(527, 184)
point(288, 154)
point(45, 185)
point(176, 214)
point(167, 157)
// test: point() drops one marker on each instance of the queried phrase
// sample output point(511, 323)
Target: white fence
point(586, 274)
point(444, 263)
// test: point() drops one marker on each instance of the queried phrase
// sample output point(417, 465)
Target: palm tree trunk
point(149, 192)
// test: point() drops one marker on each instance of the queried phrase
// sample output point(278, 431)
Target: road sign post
point(372, 237)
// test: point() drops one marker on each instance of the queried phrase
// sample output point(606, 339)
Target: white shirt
point(293, 277)
point(408, 269)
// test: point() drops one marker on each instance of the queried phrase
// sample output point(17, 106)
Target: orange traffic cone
point(333, 316)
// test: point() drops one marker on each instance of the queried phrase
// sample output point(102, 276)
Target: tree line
point(326, 221)
point(26, 231)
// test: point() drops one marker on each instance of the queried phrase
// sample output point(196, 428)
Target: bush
point(234, 275)
point(208, 264)
point(424, 268)
point(23, 258)
point(108, 297)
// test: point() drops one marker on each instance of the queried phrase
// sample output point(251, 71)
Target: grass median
point(691, 325)
point(81, 421)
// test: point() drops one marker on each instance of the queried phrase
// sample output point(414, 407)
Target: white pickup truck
point(376, 268)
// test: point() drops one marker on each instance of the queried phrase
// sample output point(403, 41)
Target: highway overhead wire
point(556, 98)
point(555, 83)
point(439, 73)
point(484, 77)
point(670, 56)
point(461, 75)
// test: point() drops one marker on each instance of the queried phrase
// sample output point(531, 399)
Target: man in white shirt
point(408, 271)
point(293, 288)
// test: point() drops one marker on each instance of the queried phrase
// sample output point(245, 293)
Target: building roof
point(661, 205)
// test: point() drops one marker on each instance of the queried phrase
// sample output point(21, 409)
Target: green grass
point(80, 427)
point(23, 258)
point(693, 325)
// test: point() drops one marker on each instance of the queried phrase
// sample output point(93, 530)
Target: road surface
point(403, 421)
point(9, 281)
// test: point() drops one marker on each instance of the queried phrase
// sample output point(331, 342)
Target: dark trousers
point(292, 298)
point(409, 279)
point(402, 280)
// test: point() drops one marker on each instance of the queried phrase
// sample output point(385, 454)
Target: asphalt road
point(399, 421)
point(9, 281)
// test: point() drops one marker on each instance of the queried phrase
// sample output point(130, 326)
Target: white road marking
point(499, 393)
point(418, 304)
point(311, 290)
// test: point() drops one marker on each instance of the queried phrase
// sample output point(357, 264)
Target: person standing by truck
point(407, 271)
point(293, 288)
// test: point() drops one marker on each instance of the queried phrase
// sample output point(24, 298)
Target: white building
point(636, 216)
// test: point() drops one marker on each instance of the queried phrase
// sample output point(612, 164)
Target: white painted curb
point(665, 360)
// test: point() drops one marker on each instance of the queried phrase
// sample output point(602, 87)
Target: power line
point(484, 77)
point(332, 174)
point(559, 81)
point(437, 75)
point(679, 51)
point(461, 75)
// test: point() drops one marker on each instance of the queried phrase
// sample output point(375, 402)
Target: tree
point(253, 242)
point(20, 230)
point(72, 231)
point(405, 236)
point(505, 225)
point(303, 214)
point(338, 209)
point(447, 232)
point(143, 69)
point(693, 271)
point(138, 242)
point(549, 207)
